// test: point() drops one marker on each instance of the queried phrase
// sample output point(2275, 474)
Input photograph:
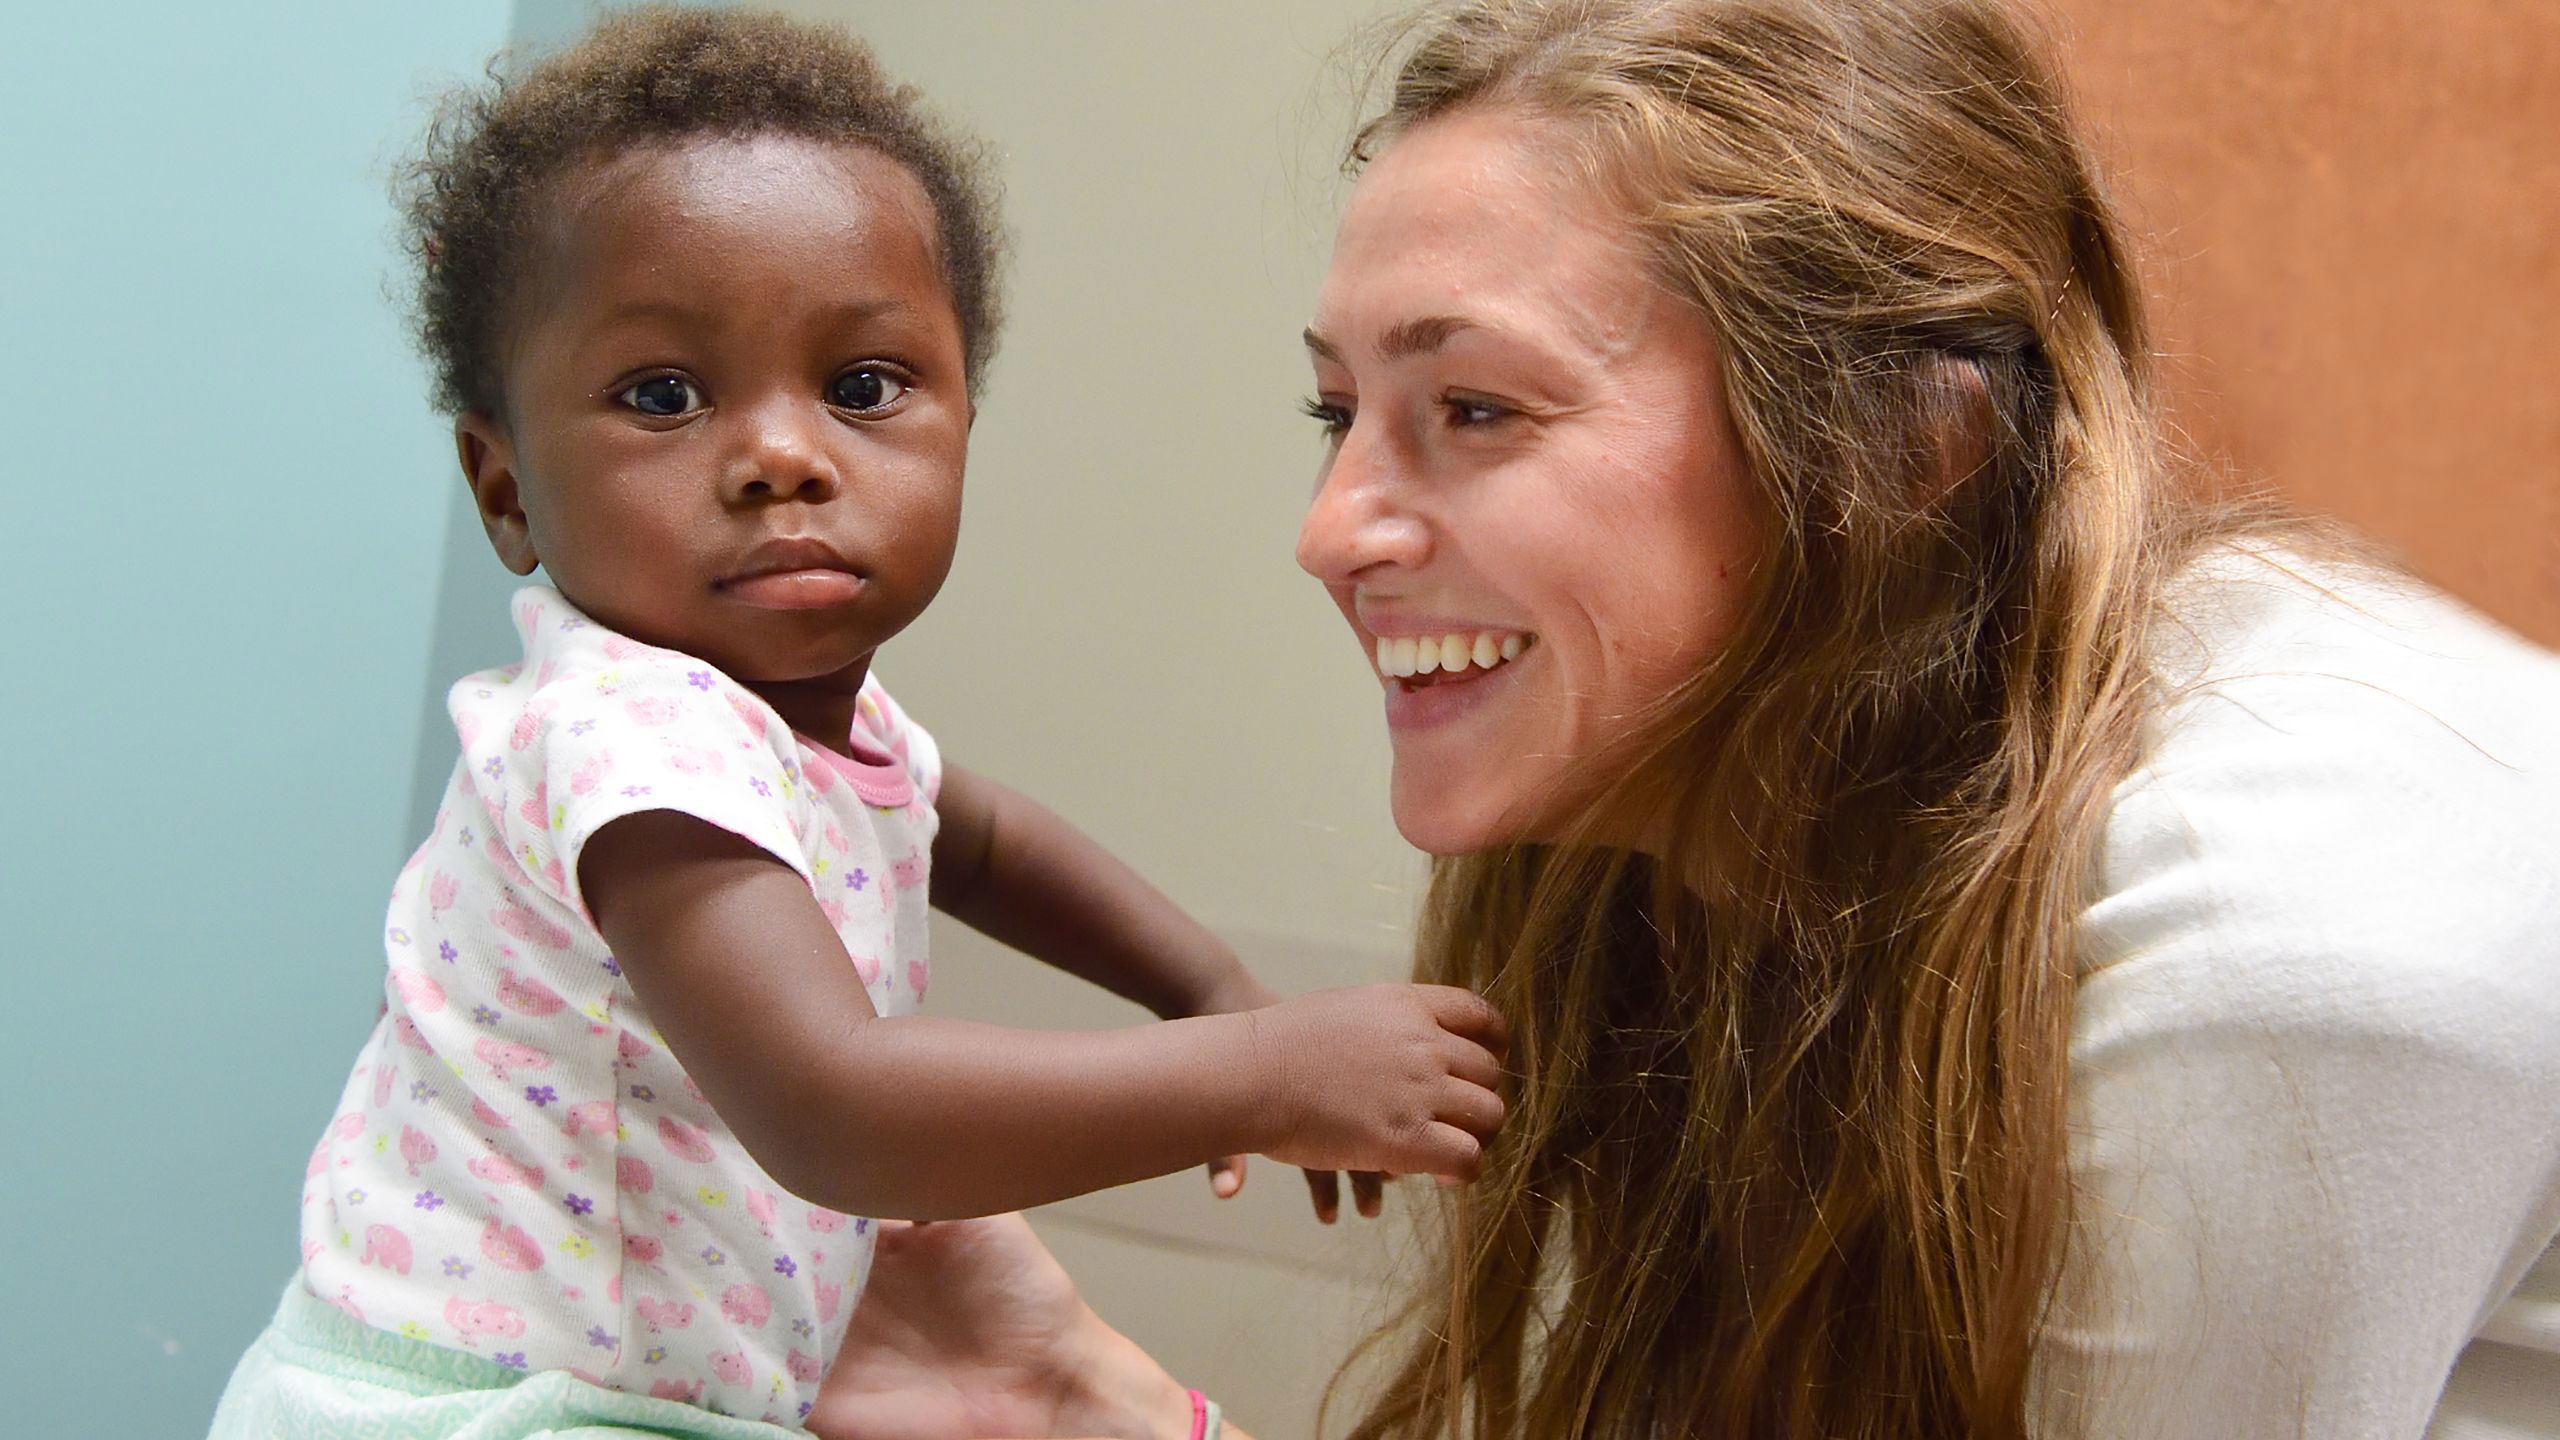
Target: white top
point(518, 1166)
point(2315, 1056)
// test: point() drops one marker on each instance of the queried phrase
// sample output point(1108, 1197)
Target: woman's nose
point(781, 455)
point(1359, 518)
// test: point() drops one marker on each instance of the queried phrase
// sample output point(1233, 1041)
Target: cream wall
point(1125, 634)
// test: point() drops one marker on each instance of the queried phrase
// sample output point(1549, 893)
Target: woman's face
point(1529, 455)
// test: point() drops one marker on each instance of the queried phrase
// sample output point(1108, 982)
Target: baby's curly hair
point(473, 197)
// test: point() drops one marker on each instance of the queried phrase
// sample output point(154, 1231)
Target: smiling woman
point(1440, 518)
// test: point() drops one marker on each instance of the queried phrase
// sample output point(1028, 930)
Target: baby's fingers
point(1326, 1187)
point(1368, 1192)
point(1471, 1108)
point(1449, 1154)
point(1465, 1013)
point(1226, 1176)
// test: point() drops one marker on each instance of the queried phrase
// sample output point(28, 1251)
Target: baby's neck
point(820, 708)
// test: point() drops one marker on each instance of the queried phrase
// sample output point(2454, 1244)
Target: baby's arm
point(1009, 868)
point(925, 1118)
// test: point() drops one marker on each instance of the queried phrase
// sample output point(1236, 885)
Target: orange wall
point(2352, 211)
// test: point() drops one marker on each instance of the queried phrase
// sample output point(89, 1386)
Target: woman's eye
point(1334, 418)
point(867, 387)
point(1466, 410)
point(664, 396)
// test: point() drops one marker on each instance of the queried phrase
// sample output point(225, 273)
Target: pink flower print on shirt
point(525, 925)
point(501, 1169)
point(416, 1148)
point(502, 1056)
point(509, 1247)
point(747, 1305)
point(663, 1315)
point(631, 1173)
point(471, 1319)
point(527, 996)
point(594, 1117)
point(418, 990)
point(731, 1367)
point(386, 1247)
point(683, 1141)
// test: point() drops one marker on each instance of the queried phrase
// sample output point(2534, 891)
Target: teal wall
point(223, 524)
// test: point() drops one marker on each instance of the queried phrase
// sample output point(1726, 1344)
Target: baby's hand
point(1398, 1079)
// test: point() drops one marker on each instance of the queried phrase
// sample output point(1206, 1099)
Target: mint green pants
point(316, 1374)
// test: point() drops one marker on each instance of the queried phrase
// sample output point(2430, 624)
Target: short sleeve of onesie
point(595, 727)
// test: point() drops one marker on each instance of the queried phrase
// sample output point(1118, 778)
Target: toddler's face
point(737, 407)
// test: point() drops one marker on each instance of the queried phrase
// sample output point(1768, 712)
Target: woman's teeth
point(1407, 656)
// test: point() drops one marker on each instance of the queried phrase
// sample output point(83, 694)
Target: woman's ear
point(1956, 409)
point(488, 458)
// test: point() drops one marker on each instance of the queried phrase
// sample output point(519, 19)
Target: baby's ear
point(488, 458)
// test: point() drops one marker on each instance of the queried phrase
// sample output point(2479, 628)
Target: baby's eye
point(865, 387)
point(664, 396)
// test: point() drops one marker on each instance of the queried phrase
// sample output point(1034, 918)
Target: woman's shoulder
point(2348, 786)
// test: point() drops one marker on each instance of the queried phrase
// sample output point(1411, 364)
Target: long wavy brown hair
point(1786, 1149)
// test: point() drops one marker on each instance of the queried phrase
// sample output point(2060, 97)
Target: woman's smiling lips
point(792, 574)
point(1435, 669)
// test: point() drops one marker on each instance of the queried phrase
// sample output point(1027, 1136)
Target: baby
point(710, 300)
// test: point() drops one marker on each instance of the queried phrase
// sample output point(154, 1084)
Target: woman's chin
point(1438, 819)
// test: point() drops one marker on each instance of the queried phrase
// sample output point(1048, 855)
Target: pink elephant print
point(747, 1305)
point(688, 1391)
point(486, 1115)
point(386, 1247)
point(406, 1031)
point(748, 713)
point(416, 1148)
point(631, 1173)
point(760, 1209)
point(384, 1076)
point(731, 1366)
point(502, 1169)
point(345, 1300)
point(485, 1317)
point(919, 975)
point(502, 1056)
point(684, 1141)
point(663, 1315)
point(804, 1368)
point(529, 724)
point(536, 808)
point(418, 990)
point(529, 927)
point(825, 1221)
point(348, 1126)
point(509, 1247)
point(830, 1300)
point(591, 774)
point(442, 890)
point(526, 995)
point(644, 1249)
point(319, 1159)
point(630, 1049)
point(652, 710)
point(908, 872)
point(594, 1117)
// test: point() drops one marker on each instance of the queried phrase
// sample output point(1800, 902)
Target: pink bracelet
point(1204, 1417)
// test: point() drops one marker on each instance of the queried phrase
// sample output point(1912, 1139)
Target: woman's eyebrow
point(1404, 339)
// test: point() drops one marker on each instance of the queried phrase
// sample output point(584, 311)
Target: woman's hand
point(969, 1329)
